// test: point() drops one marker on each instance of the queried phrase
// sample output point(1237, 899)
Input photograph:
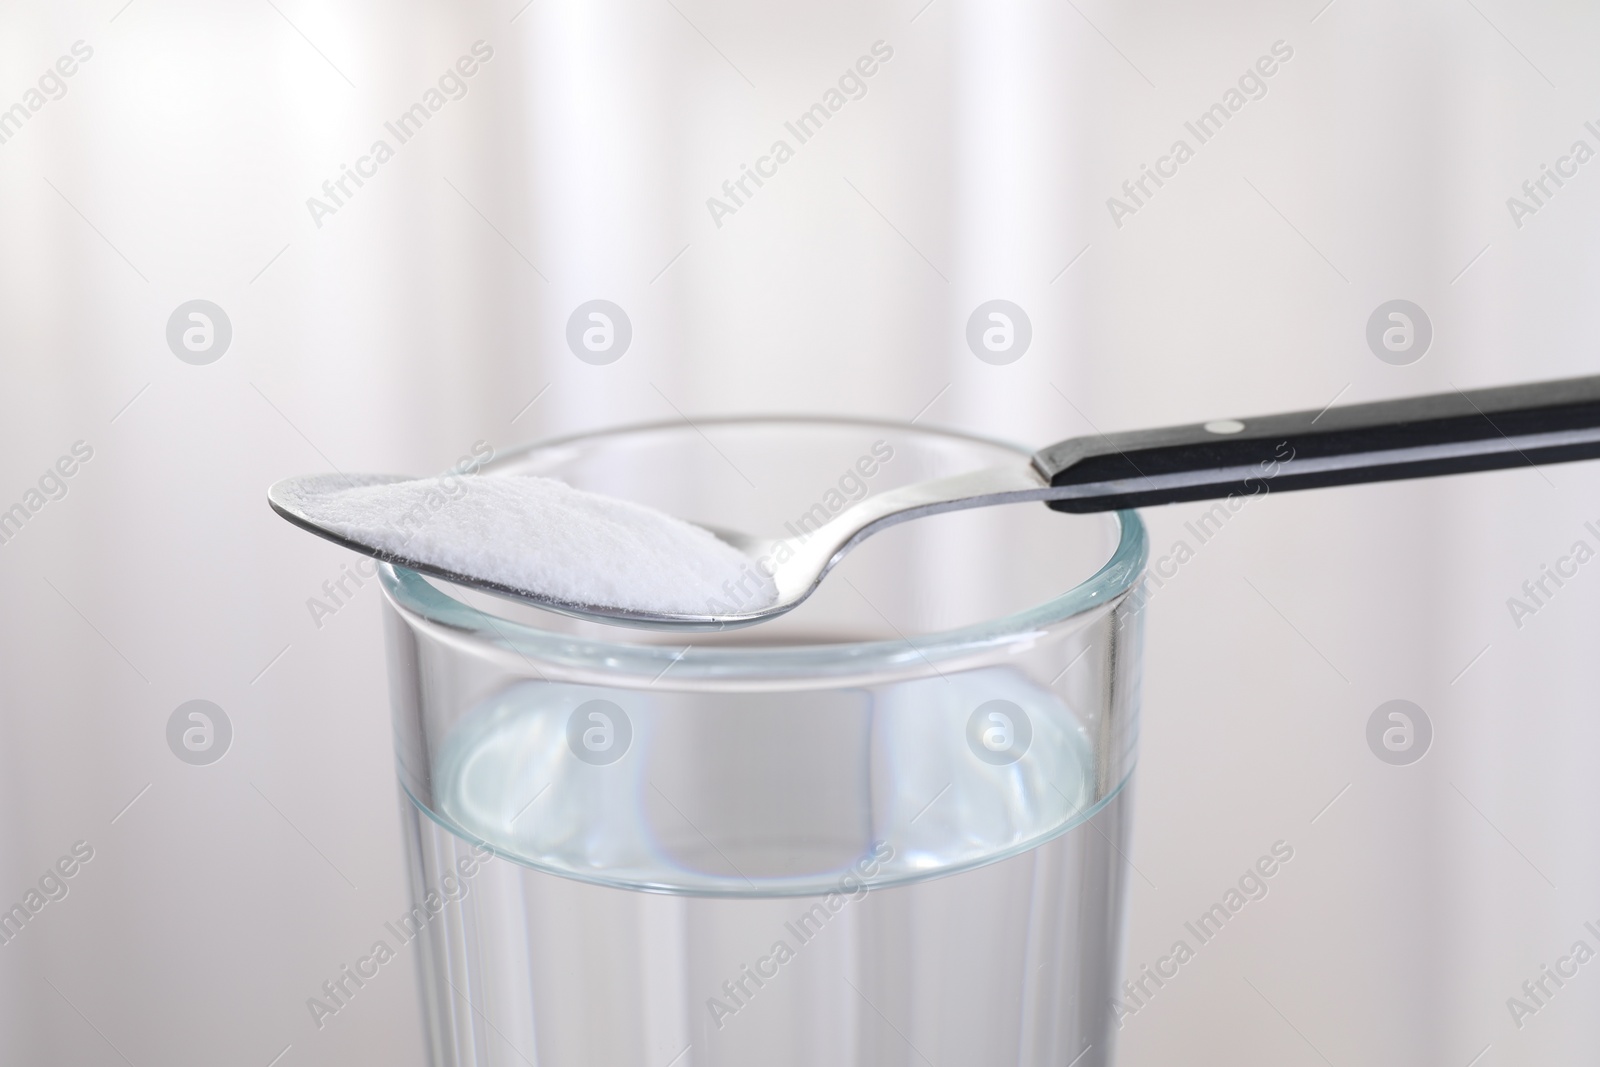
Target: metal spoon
point(1416, 437)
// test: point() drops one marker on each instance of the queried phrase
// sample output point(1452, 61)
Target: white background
point(430, 310)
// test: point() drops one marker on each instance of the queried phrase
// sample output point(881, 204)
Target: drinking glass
point(885, 829)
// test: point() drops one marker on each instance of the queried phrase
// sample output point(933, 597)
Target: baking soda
point(544, 537)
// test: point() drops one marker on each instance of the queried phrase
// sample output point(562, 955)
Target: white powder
point(546, 538)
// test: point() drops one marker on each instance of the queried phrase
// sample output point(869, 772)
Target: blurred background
point(159, 152)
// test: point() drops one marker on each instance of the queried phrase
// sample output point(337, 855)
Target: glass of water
point(885, 829)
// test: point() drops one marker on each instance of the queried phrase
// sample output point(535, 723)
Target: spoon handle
point(1415, 437)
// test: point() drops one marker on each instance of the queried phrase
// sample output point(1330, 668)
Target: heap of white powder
point(547, 538)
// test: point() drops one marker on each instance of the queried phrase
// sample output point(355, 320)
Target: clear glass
point(886, 828)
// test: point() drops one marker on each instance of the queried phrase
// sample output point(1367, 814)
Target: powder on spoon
point(547, 538)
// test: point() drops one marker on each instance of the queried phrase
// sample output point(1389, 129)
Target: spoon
point(1415, 437)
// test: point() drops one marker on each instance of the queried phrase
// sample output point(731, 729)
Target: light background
point(429, 313)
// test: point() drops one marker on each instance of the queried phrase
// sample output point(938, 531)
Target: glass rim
point(412, 593)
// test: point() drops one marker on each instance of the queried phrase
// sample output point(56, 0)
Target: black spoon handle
point(1417, 437)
